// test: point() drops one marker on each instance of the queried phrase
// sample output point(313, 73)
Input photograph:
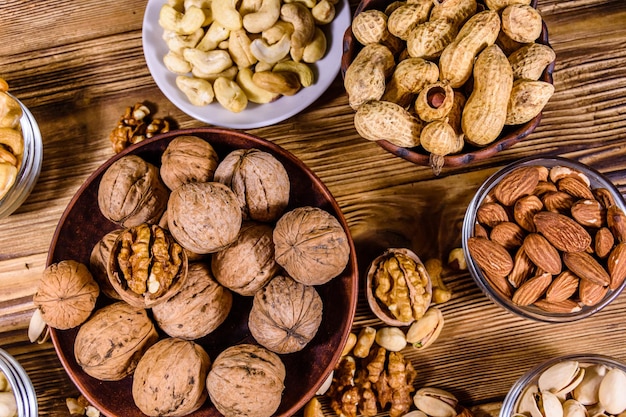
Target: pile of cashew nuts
point(241, 51)
point(11, 139)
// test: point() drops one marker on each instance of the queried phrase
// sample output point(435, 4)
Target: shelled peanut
point(239, 52)
point(422, 56)
point(11, 139)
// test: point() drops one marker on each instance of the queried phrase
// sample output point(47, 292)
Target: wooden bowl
point(417, 155)
point(82, 225)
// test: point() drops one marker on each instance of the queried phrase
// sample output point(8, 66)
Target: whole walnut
point(204, 217)
point(98, 261)
point(109, 344)
point(131, 192)
point(66, 294)
point(285, 315)
point(246, 381)
point(248, 263)
point(197, 309)
point(170, 378)
point(259, 180)
point(188, 159)
point(311, 245)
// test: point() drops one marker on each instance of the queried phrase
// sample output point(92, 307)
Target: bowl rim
point(512, 134)
point(350, 273)
point(513, 395)
point(468, 230)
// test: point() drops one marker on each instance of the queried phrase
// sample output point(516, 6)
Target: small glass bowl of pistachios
point(21, 153)
point(580, 384)
point(17, 394)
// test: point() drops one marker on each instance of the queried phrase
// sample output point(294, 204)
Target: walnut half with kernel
point(146, 265)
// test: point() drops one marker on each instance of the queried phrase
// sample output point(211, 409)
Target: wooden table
point(77, 65)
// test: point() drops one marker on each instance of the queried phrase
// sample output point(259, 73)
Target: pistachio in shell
point(248, 263)
point(285, 315)
point(204, 217)
point(201, 305)
point(131, 192)
point(246, 380)
point(311, 245)
point(109, 344)
point(188, 159)
point(170, 378)
point(259, 181)
point(66, 294)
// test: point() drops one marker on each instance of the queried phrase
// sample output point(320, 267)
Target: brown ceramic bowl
point(82, 225)
point(509, 136)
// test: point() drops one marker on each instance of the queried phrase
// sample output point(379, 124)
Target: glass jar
point(30, 168)
point(21, 385)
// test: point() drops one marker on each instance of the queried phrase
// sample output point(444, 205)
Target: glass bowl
point(510, 406)
point(30, 167)
point(486, 284)
point(21, 385)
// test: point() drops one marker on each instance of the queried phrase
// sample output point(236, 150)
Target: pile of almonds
point(546, 237)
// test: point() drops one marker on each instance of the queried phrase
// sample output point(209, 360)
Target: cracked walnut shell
point(204, 217)
point(311, 245)
point(285, 315)
point(170, 378)
point(248, 263)
point(98, 261)
point(259, 181)
point(187, 159)
point(66, 294)
point(246, 381)
point(109, 344)
point(198, 308)
point(131, 192)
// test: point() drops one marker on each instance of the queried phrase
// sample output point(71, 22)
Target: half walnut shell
point(146, 266)
point(398, 287)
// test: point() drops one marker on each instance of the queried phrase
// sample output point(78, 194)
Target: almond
point(563, 232)
point(480, 231)
point(591, 294)
point(562, 287)
point(564, 307)
point(558, 202)
point(616, 220)
point(544, 187)
point(574, 187)
point(542, 253)
point(491, 257)
point(588, 213)
point(524, 210)
point(531, 290)
point(523, 268)
point(604, 196)
point(559, 172)
point(604, 242)
point(586, 267)
point(616, 264)
point(500, 285)
point(518, 183)
point(491, 214)
point(507, 234)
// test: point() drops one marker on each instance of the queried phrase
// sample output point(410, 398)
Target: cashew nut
point(364, 342)
point(270, 53)
point(12, 139)
point(249, 6)
point(215, 34)
point(281, 82)
point(183, 23)
point(230, 95)
point(10, 111)
point(8, 174)
point(8, 157)
point(199, 92)
point(304, 72)
point(276, 32)
point(204, 5)
point(323, 12)
point(8, 404)
point(211, 62)
point(264, 18)
point(176, 63)
point(303, 23)
point(239, 48)
point(308, 3)
point(225, 12)
point(177, 43)
point(316, 49)
point(230, 73)
point(254, 93)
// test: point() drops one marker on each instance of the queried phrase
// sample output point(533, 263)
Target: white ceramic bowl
point(28, 173)
point(255, 115)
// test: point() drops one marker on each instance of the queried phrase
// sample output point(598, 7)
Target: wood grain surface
point(77, 65)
